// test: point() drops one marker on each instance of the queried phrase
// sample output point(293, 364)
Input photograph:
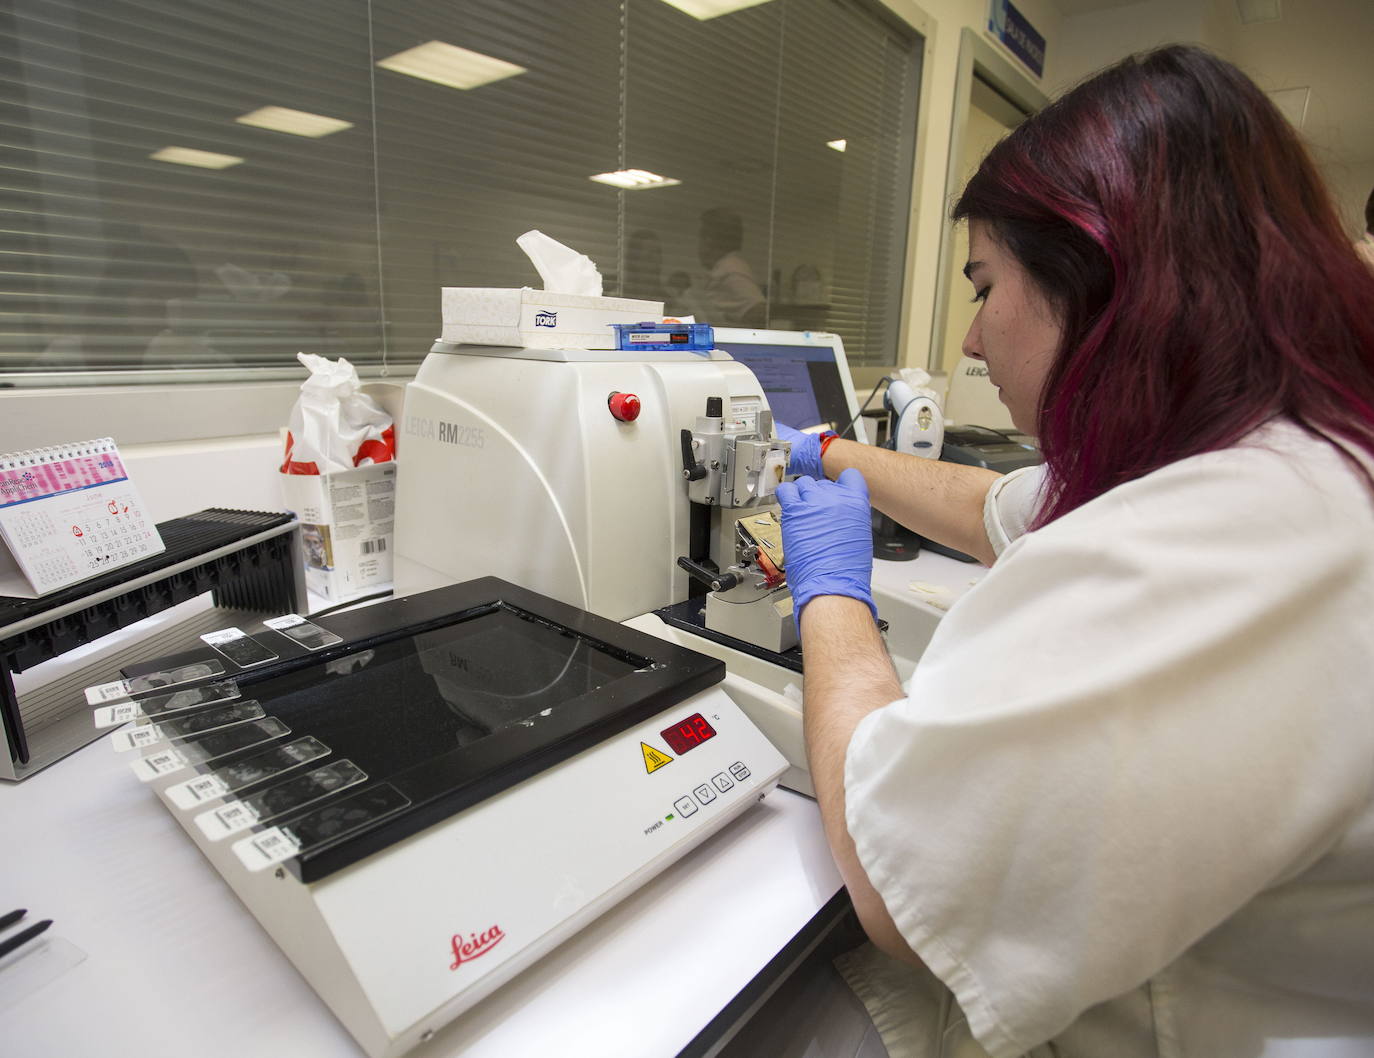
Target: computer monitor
point(803, 373)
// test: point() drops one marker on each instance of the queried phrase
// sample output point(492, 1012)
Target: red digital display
point(688, 734)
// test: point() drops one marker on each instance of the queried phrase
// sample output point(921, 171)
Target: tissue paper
point(334, 426)
point(345, 504)
point(563, 269)
point(569, 313)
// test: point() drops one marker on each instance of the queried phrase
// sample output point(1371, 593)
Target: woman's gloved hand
point(806, 451)
point(827, 538)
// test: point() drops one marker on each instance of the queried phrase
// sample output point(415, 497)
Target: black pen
point(7, 920)
point(20, 939)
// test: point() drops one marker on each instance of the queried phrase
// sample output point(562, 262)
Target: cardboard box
point(346, 528)
point(537, 319)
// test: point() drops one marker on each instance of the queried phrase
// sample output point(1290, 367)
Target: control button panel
point(707, 791)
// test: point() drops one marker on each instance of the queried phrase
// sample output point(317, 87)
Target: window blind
point(118, 260)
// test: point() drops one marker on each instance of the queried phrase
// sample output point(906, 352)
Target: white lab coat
point(1128, 805)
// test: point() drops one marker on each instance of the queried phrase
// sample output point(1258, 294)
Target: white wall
point(1322, 44)
point(1350, 183)
point(941, 22)
point(180, 478)
point(1090, 41)
point(982, 134)
point(186, 447)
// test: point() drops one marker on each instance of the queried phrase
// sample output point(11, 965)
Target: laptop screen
point(804, 375)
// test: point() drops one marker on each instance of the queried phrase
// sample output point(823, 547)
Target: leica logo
point(475, 945)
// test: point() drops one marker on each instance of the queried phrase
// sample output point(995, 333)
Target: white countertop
point(928, 578)
point(175, 965)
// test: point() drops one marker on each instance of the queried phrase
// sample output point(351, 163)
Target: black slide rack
point(248, 562)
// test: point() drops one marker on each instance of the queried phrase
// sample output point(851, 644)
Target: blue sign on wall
point(1012, 28)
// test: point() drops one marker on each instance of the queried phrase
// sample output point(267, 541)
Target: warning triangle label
point(653, 758)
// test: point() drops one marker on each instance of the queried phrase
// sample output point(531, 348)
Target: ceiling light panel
point(706, 9)
point(634, 179)
point(837, 145)
point(450, 65)
point(191, 156)
point(295, 122)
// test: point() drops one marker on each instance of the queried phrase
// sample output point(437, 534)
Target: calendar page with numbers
point(68, 513)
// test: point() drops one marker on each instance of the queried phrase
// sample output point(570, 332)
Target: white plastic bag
point(334, 425)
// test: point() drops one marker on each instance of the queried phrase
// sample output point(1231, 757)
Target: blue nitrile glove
point(806, 451)
point(827, 539)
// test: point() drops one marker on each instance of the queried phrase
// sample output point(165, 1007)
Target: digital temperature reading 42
point(688, 734)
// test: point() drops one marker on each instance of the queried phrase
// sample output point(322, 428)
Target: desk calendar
point(68, 513)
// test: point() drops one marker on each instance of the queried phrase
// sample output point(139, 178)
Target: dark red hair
point(1169, 212)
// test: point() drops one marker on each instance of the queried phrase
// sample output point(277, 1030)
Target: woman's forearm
point(942, 501)
point(848, 675)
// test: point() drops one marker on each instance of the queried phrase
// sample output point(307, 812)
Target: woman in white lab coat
point(1125, 806)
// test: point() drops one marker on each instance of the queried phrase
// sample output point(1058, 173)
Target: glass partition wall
point(194, 184)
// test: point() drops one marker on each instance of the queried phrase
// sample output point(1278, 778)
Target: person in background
point(732, 296)
point(1125, 805)
point(1366, 243)
point(125, 316)
point(643, 266)
point(678, 300)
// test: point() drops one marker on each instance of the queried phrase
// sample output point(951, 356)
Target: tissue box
point(346, 528)
point(538, 319)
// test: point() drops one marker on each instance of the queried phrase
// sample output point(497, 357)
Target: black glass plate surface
point(453, 695)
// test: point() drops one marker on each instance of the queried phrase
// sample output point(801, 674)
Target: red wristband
point(826, 438)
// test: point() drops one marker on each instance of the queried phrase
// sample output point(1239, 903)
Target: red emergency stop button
point(624, 406)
